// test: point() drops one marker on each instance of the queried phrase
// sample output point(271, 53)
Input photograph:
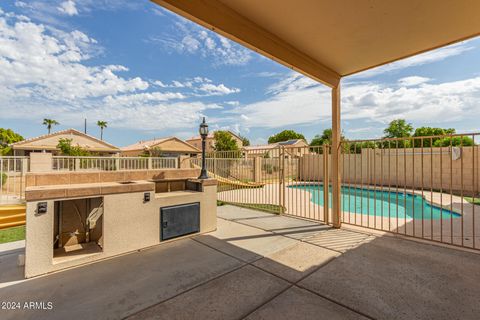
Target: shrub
point(4, 178)
point(285, 135)
point(224, 141)
point(65, 146)
point(454, 141)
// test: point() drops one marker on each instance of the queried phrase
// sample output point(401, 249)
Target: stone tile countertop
point(86, 189)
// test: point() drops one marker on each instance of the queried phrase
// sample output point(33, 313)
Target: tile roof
point(142, 145)
point(273, 145)
point(289, 142)
point(66, 131)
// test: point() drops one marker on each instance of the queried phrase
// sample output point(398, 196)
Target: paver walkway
point(260, 266)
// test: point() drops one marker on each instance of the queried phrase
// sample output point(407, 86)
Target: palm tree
point(102, 125)
point(49, 123)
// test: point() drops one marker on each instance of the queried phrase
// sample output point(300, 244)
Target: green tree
point(224, 141)
point(8, 136)
point(356, 147)
point(152, 152)
point(325, 138)
point(102, 125)
point(457, 141)
point(50, 123)
point(429, 131)
point(66, 148)
point(285, 135)
point(399, 128)
point(245, 141)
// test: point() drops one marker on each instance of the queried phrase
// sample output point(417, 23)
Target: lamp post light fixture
point(203, 130)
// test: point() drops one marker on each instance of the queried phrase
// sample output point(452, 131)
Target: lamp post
point(203, 130)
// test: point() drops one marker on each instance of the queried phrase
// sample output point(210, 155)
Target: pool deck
point(259, 266)
point(297, 203)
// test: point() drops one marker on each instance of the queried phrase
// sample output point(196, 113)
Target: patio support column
point(336, 178)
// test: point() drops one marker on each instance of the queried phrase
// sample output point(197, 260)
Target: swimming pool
point(381, 203)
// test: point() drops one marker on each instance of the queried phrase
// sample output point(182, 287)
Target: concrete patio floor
point(259, 266)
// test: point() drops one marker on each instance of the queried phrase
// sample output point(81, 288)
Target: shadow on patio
point(260, 266)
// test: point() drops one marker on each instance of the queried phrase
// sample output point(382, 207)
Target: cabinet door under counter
point(179, 220)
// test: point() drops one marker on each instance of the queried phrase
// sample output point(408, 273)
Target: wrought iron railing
point(422, 187)
point(63, 163)
point(12, 178)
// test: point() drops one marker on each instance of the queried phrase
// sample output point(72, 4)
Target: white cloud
point(21, 4)
point(417, 60)
point(52, 12)
point(154, 116)
point(158, 11)
point(189, 38)
point(43, 73)
point(297, 101)
point(159, 84)
point(264, 74)
point(360, 130)
point(199, 87)
point(412, 81)
point(178, 84)
point(427, 103)
point(292, 82)
point(146, 97)
point(259, 142)
point(68, 7)
point(34, 59)
point(220, 89)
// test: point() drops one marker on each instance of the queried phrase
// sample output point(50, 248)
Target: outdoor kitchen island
point(77, 218)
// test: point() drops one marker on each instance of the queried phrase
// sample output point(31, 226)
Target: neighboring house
point(264, 151)
point(293, 148)
point(210, 141)
point(49, 142)
point(169, 147)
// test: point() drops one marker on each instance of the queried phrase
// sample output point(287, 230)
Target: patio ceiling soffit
point(326, 40)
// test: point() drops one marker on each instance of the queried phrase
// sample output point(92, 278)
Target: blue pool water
point(381, 203)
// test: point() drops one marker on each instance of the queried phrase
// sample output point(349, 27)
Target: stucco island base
point(128, 223)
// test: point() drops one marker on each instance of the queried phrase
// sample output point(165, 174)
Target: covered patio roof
point(327, 40)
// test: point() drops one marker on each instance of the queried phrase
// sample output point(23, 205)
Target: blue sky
point(150, 73)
